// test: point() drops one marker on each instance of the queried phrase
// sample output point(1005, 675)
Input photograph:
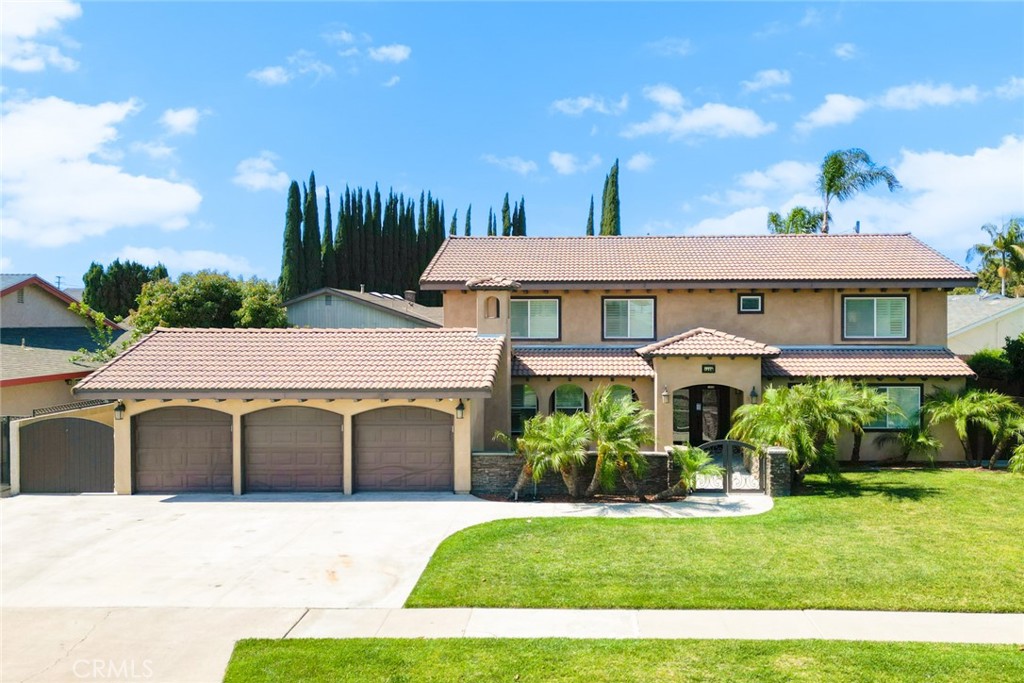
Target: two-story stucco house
point(692, 326)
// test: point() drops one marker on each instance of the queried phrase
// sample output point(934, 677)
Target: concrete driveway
point(106, 587)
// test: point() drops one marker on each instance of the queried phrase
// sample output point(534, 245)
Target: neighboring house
point(692, 326)
point(984, 321)
point(38, 338)
point(332, 308)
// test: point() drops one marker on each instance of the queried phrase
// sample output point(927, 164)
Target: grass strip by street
point(895, 540)
point(593, 661)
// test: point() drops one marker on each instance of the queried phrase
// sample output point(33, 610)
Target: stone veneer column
point(780, 474)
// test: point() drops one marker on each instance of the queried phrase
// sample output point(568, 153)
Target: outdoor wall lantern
point(460, 410)
point(664, 395)
point(119, 411)
point(754, 395)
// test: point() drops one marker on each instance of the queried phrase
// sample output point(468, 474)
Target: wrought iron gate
point(743, 468)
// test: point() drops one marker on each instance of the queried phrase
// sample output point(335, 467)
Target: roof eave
point(526, 285)
point(285, 394)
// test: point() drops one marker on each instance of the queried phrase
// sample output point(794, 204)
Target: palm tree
point(775, 421)
point(558, 442)
point(692, 462)
point(527, 473)
point(1016, 464)
point(1009, 431)
point(800, 220)
point(846, 172)
point(870, 405)
point(913, 442)
point(1005, 253)
point(971, 408)
point(618, 426)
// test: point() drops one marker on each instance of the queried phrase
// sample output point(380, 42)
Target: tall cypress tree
point(289, 283)
point(453, 230)
point(610, 222)
point(341, 236)
point(330, 262)
point(519, 227)
point(506, 218)
point(312, 253)
point(469, 226)
point(590, 218)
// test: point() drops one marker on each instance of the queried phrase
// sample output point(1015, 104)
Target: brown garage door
point(402, 449)
point(293, 449)
point(67, 455)
point(182, 450)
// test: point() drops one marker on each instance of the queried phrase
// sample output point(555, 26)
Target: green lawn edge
point(937, 540)
point(558, 660)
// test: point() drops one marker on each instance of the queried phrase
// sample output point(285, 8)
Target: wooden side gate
point(67, 455)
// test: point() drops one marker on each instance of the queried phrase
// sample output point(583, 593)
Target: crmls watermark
point(109, 669)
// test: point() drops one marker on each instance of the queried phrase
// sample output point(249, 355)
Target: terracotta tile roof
point(300, 363)
point(578, 361)
point(703, 341)
point(493, 282)
point(693, 259)
point(865, 362)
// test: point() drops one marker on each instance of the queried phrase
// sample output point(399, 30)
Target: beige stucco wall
point(991, 334)
point(103, 414)
point(790, 317)
point(23, 398)
point(41, 309)
point(237, 408)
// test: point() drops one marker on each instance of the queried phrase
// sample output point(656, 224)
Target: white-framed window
point(908, 399)
point(534, 318)
point(568, 398)
point(524, 406)
point(875, 317)
point(750, 303)
point(629, 318)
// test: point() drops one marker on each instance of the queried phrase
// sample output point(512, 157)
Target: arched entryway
point(703, 412)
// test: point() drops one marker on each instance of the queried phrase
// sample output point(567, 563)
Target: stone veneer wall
point(780, 474)
point(496, 473)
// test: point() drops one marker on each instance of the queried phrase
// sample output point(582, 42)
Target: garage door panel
point(182, 449)
point(293, 449)
point(403, 449)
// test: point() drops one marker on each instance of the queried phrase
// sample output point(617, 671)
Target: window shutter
point(519, 312)
point(891, 317)
point(616, 318)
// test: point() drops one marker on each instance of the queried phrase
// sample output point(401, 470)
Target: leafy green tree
point(1014, 352)
point(799, 221)
point(311, 250)
point(113, 290)
point(990, 364)
point(103, 336)
point(469, 224)
point(329, 258)
point(618, 427)
point(290, 283)
point(966, 410)
point(506, 218)
point(1004, 253)
point(590, 218)
point(691, 462)
point(611, 224)
point(846, 172)
point(208, 299)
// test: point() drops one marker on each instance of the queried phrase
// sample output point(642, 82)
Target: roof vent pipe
point(362, 289)
point(410, 295)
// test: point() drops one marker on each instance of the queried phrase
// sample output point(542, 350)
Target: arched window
point(492, 307)
point(620, 391)
point(524, 406)
point(568, 398)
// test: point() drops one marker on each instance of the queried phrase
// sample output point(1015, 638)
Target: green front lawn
point(553, 660)
point(931, 540)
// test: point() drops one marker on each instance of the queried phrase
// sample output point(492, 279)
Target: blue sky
point(171, 130)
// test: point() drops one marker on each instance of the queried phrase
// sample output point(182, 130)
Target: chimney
point(410, 295)
point(362, 289)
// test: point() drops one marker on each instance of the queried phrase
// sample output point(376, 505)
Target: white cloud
point(769, 78)
point(665, 96)
point(575, 106)
point(271, 75)
point(349, 52)
point(390, 53)
point(1012, 89)
point(180, 121)
point(154, 150)
point(5, 263)
point(514, 163)
point(709, 120)
point(785, 176)
point(342, 36)
point(391, 82)
point(639, 162)
point(25, 21)
point(750, 220)
point(57, 189)
point(672, 47)
point(812, 17)
point(836, 109)
point(260, 173)
point(188, 261)
point(845, 51)
point(917, 95)
point(568, 164)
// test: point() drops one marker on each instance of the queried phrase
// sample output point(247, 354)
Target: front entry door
point(709, 413)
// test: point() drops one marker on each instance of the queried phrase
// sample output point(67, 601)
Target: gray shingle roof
point(964, 310)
